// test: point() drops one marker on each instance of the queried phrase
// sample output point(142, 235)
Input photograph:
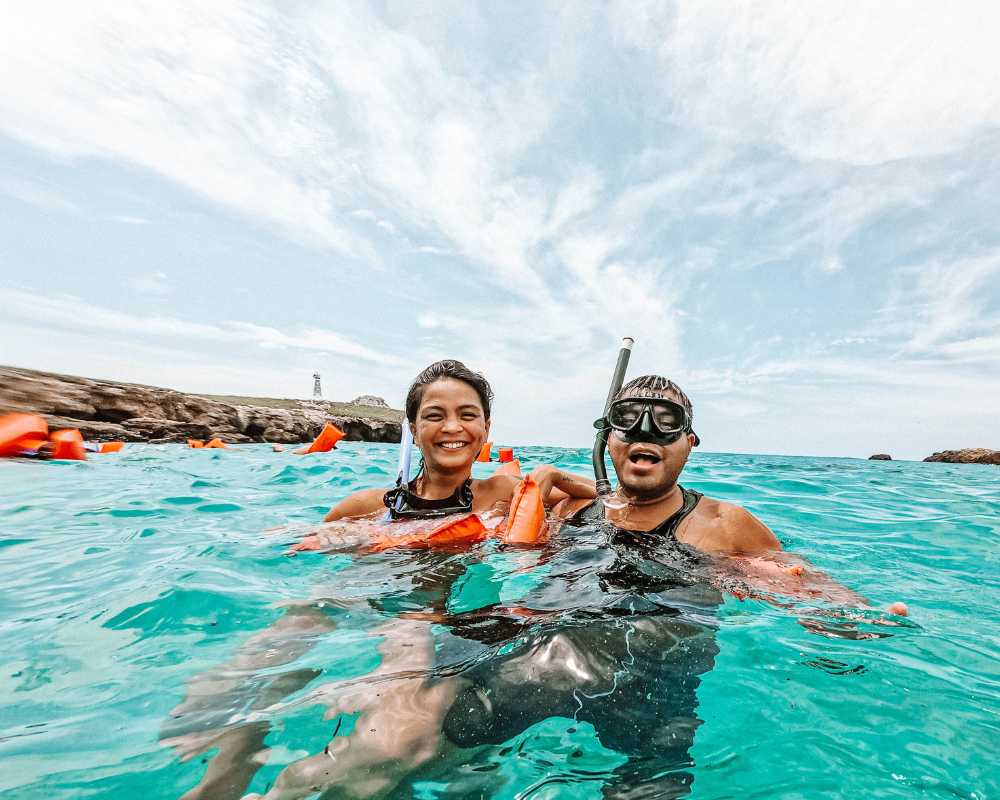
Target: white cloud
point(74, 314)
point(152, 283)
point(943, 305)
point(40, 195)
point(432, 250)
point(433, 320)
point(832, 263)
point(176, 89)
point(856, 82)
point(170, 363)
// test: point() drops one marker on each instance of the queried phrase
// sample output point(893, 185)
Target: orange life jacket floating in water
point(510, 468)
point(25, 434)
point(525, 523)
point(111, 447)
point(216, 442)
point(454, 533)
point(21, 433)
point(326, 441)
point(195, 444)
point(68, 445)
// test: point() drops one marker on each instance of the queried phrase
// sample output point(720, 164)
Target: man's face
point(647, 470)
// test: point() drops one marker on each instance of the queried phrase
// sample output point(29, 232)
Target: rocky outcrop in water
point(880, 457)
point(108, 410)
point(971, 455)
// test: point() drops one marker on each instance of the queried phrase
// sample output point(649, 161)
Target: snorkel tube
point(403, 471)
point(601, 440)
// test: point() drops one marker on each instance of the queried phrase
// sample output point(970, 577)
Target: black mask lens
point(624, 414)
point(648, 420)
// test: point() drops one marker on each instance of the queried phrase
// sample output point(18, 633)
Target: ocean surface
point(124, 578)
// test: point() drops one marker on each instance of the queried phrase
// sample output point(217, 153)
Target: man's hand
point(308, 544)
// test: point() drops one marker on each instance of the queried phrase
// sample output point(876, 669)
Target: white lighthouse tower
point(317, 388)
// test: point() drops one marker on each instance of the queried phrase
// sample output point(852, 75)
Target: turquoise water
point(123, 578)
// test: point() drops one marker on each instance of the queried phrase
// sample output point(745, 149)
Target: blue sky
point(792, 207)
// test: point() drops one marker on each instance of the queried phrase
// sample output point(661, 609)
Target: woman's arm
point(359, 504)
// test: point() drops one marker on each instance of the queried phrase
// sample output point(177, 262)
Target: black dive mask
point(649, 419)
point(404, 504)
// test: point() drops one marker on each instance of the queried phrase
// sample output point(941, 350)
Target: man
point(650, 440)
point(622, 628)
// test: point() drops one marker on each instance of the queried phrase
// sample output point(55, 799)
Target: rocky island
point(109, 410)
point(971, 455)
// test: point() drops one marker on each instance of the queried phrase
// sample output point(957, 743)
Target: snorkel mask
point(649, 419)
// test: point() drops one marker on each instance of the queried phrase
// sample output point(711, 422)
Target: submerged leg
point(233, 767)
point(397, 730)
point(203, 720)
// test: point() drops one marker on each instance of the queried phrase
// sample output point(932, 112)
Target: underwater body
point(588, 668)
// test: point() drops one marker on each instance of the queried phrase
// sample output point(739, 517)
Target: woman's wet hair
point(439, 370)
point(655, 386)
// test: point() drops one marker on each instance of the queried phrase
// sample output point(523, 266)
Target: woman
point(448, 410)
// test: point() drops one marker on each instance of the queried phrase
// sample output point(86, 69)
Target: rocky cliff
point(972, 455)
point(107, 410)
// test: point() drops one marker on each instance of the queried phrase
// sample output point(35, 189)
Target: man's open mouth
point(644, 457)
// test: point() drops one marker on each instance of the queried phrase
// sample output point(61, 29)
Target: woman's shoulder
point(359, 504)
point(496, 483)
point(500, 487)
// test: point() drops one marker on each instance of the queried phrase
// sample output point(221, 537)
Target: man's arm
point(723, 528)
point(751, 551)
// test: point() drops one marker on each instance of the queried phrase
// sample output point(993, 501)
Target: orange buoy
point(195, 443)
point(216, 442)
point(526, 519)
point(454, 533)
point(111, 447)
point(899, 609)
point(68, 445)
point(484, 452)
point(22, 432)
point(510, 468)
point(326, 441)
point(506, 455)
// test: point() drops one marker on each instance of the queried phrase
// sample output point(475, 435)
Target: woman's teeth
point(452, 445)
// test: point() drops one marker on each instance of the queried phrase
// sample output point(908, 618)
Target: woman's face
point(450, 428)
